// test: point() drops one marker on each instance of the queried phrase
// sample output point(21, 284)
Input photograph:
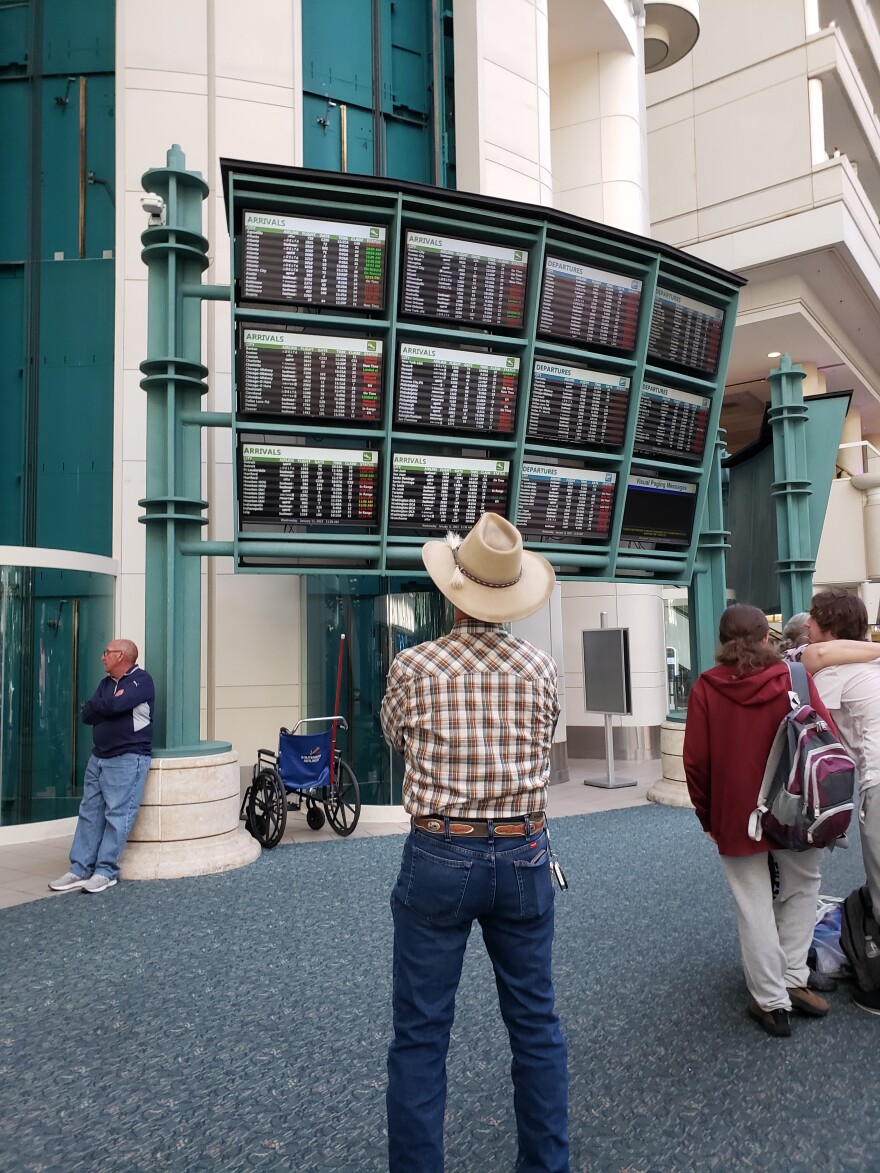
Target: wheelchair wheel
point(343, 801)
point(314, 815)
point(267, 808)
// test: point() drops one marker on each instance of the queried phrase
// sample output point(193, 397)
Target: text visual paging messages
point(442, 388)
point(463, 280)
point(309, 376)
point(658, 512)
point(312, 262)
point(282, 483)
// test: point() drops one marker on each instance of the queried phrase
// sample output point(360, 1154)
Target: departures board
point(407, 358)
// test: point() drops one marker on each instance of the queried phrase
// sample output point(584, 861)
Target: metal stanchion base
point(610, 783)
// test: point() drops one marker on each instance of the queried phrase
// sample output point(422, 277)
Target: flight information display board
point(442, 388)
point(309, 376)
point(671, 423)
point(440, 492)
point(573, 405)
point(588, 305)
point(286, 484)
point(463, 280)
point(658, 512)
point(685, 331)
point(312, 262)
point(564, 504)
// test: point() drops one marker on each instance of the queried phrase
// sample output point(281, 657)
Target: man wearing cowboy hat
point(474, 713)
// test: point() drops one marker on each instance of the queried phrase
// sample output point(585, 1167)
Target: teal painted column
point(175, 253)
point(707, 594)
point(791, 487)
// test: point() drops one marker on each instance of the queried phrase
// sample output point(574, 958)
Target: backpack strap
point(799, 682)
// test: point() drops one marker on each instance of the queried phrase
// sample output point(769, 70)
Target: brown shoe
point(774, 1022)
point(807, 1001)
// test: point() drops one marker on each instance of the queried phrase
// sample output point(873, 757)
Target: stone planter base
point(188, 821)
point(671, 790)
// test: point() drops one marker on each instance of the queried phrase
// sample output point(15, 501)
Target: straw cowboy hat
point(487, 574)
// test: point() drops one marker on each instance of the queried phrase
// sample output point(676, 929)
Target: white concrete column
point(852, 459)
point(818, 154)
point(502, 99)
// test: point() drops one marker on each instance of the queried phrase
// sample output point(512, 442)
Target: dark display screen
point(310, 376)
point(439, 492)
point(308, 486)
point(658, 512)
point(571, 405)
point(685, 331)
point(565, 503)
point(589, 305)
point(312, 262)
point(463, 280)
point(456, 389)
point(671, 423)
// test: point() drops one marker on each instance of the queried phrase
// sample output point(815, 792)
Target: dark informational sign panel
point(589, 305)
point(313, 262)
point(311, 376)
point(565, 504)
point(442, 492)
point(441, 388)
point(607, 680)
point(463, 280)
point(571, 405)
point(281, 484)
point(407, 358)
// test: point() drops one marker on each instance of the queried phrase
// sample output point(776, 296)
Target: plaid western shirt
point(474, 714)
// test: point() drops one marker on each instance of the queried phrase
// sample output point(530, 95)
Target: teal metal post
point(707, 594)
point(175, 253)
point(791, 487)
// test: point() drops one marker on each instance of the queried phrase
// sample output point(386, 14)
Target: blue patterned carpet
point(240, 1022)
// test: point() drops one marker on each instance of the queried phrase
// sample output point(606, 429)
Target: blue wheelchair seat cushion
point(304, 759)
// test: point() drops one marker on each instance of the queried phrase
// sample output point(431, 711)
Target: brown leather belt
point(479, 828)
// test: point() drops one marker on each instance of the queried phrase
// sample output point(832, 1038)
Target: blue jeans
point(112, 793)
point(444, 885)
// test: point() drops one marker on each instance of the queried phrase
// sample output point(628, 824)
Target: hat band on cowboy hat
point(487, 574)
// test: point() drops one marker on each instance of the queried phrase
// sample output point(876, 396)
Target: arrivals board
point(313, 262)
point(295, 485)
point(589, 305)
point(671, 423)
point(573, 405)
point(685, 331)
point(564, 504)
point(658, 512)
point(440, 492)
point(309, 376)
point(463, 280)
point(442, 388)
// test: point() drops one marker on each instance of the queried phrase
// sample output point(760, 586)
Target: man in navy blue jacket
point(121, 716)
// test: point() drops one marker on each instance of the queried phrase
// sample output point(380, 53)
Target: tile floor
point(27, 868)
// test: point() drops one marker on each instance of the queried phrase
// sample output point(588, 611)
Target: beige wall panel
point(764, 75)
point(130, 590)
point(574, 92)
point(513, 51)
point(134, 418)
point(165, 34)
point(250, 729)
point(672, 167)
point(735, 152)
point(735, 35)
point(256, 43)
point(257, 626)
point(264, 134)
point(621, 149)
point(676, 109)
point(510, 183)
point(680, 231)
point(154, 120)
point(841, 556)
point(588, 202)
point(132, 533)
point(625, 206)
point(756, 208)
point(512, 121)
point(576, 155)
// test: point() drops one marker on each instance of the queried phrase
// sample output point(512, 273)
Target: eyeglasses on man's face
point(111, 652)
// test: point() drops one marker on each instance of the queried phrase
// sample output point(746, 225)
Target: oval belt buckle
point(434, 825)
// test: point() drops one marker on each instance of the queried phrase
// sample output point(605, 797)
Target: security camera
point(154, 206)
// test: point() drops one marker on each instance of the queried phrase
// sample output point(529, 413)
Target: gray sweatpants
point(774, 935)
point(869, 830)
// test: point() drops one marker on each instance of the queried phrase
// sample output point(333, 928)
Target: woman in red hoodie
point(734, 711)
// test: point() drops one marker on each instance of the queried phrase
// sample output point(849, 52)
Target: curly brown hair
point(841, 613)
point(742, 632)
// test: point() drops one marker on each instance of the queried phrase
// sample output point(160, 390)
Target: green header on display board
point(408, 357)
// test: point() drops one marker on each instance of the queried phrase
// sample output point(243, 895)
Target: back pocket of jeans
point(535, 885)
point(436, 885)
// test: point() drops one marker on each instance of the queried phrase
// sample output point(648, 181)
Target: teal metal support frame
point(175, 253)
point(791, 487)
point(707, 594)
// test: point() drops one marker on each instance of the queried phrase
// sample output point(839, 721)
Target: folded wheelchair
point(306, 769)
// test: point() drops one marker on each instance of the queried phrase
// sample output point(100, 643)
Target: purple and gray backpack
point(806, 795)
